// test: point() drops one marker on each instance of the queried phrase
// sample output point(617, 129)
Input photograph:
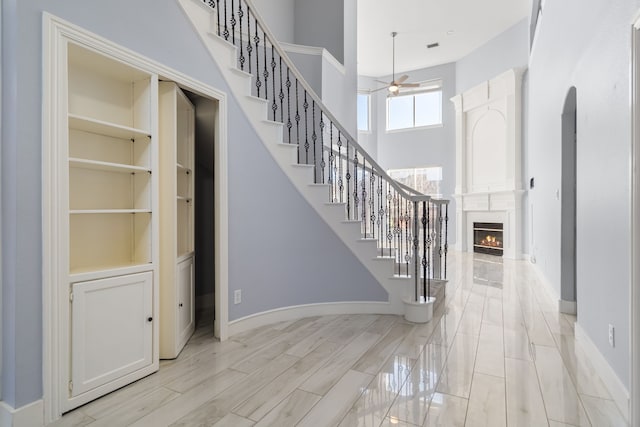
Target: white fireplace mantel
point(488, 160)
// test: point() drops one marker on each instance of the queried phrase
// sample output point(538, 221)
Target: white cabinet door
point(186, 309)
point(111, 329)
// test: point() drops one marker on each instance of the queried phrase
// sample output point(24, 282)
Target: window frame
point(431, 87)
point(368, 96)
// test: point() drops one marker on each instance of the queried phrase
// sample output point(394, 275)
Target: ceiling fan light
point(393, 88)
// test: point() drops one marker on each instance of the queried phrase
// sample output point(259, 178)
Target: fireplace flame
point(491, 241)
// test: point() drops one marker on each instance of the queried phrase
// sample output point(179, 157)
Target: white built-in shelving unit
point(110, 214)
point(177, 295)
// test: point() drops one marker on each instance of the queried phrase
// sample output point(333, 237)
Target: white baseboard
point(618, 391)
point(31, 415)
point(567, 307)
point(546, 285)
point(307, 310)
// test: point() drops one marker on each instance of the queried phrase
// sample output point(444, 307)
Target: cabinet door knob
point(149, 319)
point(180, 305)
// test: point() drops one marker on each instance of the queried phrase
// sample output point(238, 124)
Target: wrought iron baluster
point(249, 46)
point(289, 124)
point(314, 137)
point(381, 236)
point(426, 264)
point(274, 105)
point(322, 163)
point(297, 122)
point(446, 240)
point(416, 251)
point(281, 95)
point(265, 71)
point(256, 40)
point(225, 33)
point(398, 230)
point(332, 190)
point(389, 220)
point(233, 25)
point(340, 180)
point(348, 176)
point(440, 249)
point(356, 199)
point(305, 105)
point(434, 236)
point(372, 202)
point(218, 15)
point(363, 185)
point(407, 225)
point(240, 15)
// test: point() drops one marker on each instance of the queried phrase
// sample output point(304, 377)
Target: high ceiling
point(459, 26)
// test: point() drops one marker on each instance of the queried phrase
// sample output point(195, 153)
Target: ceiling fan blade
point(380, 81)
point(402, 79)
point(410, 84)
point(380, 88)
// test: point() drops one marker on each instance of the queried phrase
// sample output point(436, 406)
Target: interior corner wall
point(281, 252)
point(587, 45)
point(509, 49)
point(320, 24)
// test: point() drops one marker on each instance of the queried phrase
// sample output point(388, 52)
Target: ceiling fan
point(394, 85)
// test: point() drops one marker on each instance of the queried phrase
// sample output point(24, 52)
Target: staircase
point(397, 234)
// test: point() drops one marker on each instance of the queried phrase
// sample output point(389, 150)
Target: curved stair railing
point(409, 227)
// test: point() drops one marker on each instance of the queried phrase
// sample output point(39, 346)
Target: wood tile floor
point(497, 353)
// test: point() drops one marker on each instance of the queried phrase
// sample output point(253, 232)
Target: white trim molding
point(313, 50)
point(30, 415)
point(56, 34)
point(567, 307)
point(634, 286)
point(615, 387)
point(306, 310)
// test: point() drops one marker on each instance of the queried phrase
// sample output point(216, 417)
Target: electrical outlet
point(612, 336)
point(237, 296)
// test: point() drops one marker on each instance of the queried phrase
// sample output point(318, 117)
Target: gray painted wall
point(279, 252)
point(311, 26)
point(279, 16)
point(587, 45)
point(509, 49)
point(420, 147)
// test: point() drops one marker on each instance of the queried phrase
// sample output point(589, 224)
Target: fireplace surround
point(488, 161)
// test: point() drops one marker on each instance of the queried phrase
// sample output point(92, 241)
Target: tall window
point(363, 112)
point(424, 180)
point(415, 109)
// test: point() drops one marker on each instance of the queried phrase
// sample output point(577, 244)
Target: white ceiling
point(421, 22)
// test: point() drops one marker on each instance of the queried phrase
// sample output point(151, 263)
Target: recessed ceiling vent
point(432, 45)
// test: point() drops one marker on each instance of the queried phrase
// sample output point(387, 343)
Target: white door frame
point(634, 309)
point(56, 33)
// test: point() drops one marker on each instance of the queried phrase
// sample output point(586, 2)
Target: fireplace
point(488, 238)
point(489, 187)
